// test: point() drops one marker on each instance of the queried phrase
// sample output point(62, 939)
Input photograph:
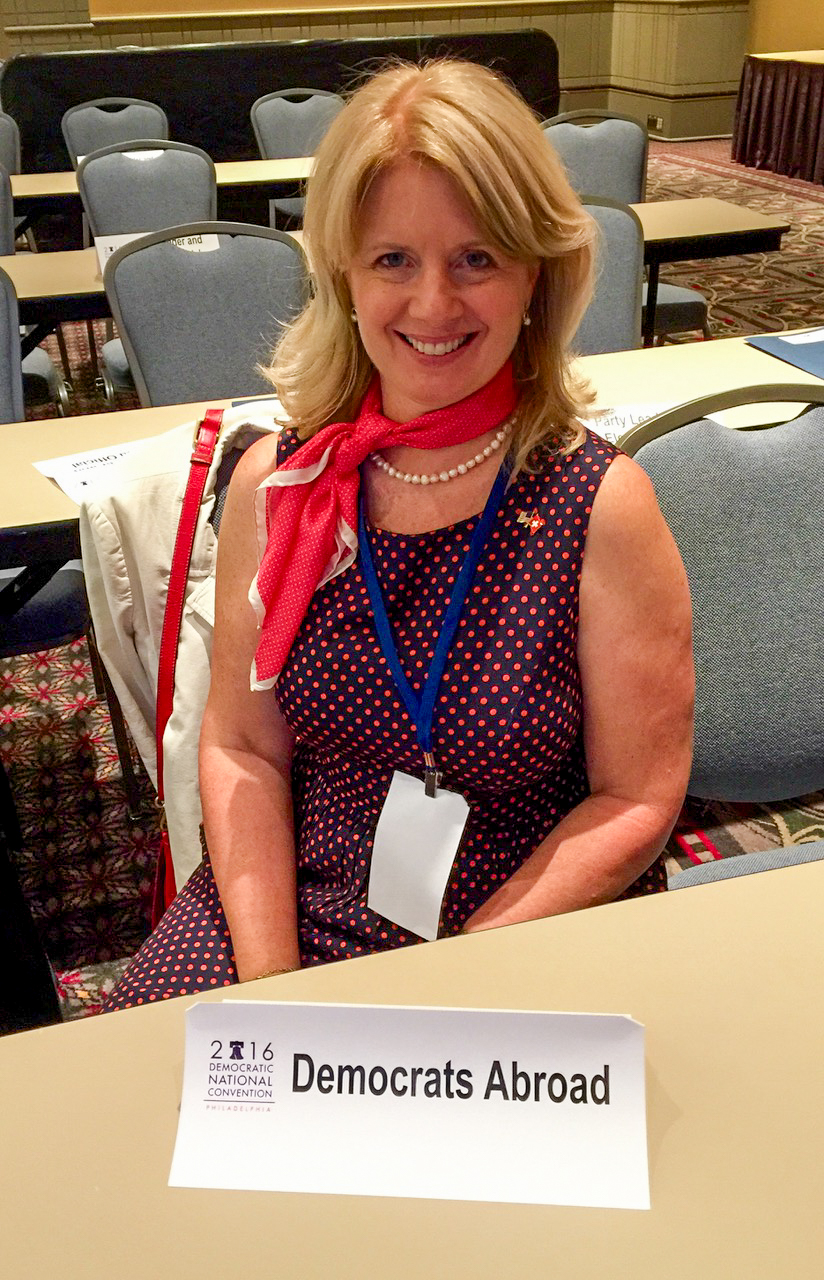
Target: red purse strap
point(206, 435)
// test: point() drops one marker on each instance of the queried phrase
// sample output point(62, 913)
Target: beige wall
point(673, 63)
point(778, 25)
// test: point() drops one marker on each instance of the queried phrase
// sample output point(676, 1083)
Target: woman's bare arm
point(245, 753)
point(635, 658)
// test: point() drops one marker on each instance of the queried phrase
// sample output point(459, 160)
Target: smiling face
point(439, 307)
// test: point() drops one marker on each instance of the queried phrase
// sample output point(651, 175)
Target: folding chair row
point(40, 377)
point(605, 155)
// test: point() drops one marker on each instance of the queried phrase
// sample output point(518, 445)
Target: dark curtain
point(207, 90)
point(779, 118)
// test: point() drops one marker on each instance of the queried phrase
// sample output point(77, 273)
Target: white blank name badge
point(416, 840)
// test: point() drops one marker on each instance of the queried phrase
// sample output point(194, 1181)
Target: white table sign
point(453, 1104)
point(79, 474)
point(613, 422)
point(199, 243)
point(105, 246)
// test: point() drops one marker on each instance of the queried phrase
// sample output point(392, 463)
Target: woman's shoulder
point(625, 513)
point(258, 461)
point(596, 450)
point(589, 459)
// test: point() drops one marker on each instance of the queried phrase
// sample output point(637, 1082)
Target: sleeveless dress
point(507, 725)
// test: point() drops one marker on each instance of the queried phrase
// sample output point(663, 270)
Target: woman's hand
point(245, 753)
point(635, 658)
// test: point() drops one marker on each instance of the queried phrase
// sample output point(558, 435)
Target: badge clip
point(431, 777)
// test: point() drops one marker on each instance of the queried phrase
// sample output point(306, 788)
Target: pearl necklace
point(409, 477)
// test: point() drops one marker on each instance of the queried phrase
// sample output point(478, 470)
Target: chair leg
point(64, 355)
point(105, 689)
point(93, 351)
point(9, 822)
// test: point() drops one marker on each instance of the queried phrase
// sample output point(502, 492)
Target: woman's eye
point(392, 259)
point(477, 259)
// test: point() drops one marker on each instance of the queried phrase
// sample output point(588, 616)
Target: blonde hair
point(465, 121)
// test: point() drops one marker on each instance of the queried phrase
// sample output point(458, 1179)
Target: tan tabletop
point(68, 272)
point(26, 497)
point(678, 373)
point(680, 230)
point(672, 228)
point(229, 173)
point(255, 173)
point(660, 374)
point(726, 979)
point(704, 217)
point(797, 55)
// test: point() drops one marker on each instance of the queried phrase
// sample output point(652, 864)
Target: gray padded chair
point(9, 143)
point(612, 321)
point(100, 122)
point(146, 185)
point(43, 600)
point(604, 143)
point(143, 186)
point(10, 160)
point(605, 154)
point(41, 380)
point(744, 507)
point(11, 374)
point(196, 325)
point(289, 123)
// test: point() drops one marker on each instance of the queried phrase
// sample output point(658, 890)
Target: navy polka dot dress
point(507, 725)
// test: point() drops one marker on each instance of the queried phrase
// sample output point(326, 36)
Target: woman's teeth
point(436, 348)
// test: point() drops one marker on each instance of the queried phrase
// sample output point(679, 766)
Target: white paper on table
point(318, 1098)
point(200, 243)
point(614, 422)
point(798, 339)
point(78, 474)
point(105, 246)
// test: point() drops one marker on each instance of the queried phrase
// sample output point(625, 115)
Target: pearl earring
point(353, 315)
point(527, 319)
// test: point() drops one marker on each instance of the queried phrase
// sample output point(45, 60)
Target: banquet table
point(725, 979)
point(658, 375)
point(36, 193)
point(68, 285)
point(779, 117)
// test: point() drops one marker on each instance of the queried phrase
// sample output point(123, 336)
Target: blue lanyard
point(421, 709)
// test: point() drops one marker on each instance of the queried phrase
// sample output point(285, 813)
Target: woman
point(373, 786)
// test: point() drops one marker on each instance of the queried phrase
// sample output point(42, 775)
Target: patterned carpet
point(752, 293)
point(86, 866)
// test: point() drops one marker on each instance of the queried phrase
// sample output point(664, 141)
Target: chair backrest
point(291, 122)
point(195, 325)
point(606, 158)
point(612, 321)
point(7, 236)
point(745, 510)
point(146, 186)
point(11, 373)
point(9, 143)
point(102, 121)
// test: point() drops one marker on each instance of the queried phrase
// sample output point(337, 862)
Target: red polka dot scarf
point(307, 510)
